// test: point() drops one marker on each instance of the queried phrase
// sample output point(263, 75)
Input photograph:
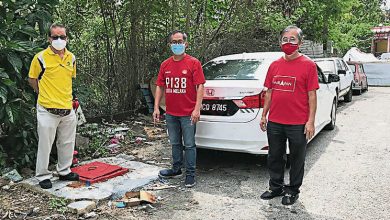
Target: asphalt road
point(347, 174)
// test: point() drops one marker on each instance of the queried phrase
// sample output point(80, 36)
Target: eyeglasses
point(63, 37)
point(289, 40)
point(177, 42)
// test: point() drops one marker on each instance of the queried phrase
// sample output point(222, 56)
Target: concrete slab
point(139, 175)
point(82, 207)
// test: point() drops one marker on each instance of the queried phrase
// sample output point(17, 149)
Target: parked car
point(385, 56)
point(335, 65)
point(360, 82)
point(233, 102)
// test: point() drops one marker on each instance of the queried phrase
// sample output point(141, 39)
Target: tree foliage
point(23, 24)
point(121, 43)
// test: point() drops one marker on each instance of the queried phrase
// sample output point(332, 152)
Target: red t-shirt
point(179, 78)
point(290, 82)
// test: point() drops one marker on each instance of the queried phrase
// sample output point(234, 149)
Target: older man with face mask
point(290, 103)
point(181, 77)
point(50, 76)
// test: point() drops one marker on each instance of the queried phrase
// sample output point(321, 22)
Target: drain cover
point(98, 171)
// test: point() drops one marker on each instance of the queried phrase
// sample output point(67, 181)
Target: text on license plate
point(214, 107)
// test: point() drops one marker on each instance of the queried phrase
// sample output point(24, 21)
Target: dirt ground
point(346, 176)
point(18, 202)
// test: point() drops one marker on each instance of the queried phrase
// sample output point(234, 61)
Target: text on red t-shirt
point(290, 82)
point(180, 78)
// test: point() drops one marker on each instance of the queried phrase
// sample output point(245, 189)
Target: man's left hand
point(309, 130)
point(195, 116)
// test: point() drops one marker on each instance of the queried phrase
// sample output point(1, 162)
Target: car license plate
point(214, 107)
point(218, 107)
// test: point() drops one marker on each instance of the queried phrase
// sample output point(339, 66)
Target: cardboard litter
point(154, 133)
point(76, 184)
point(136, 198)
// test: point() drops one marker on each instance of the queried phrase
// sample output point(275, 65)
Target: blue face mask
point(178, 49)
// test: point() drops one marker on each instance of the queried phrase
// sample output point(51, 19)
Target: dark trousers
point(278, 134)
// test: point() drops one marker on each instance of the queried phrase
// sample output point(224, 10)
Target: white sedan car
point(233, 101)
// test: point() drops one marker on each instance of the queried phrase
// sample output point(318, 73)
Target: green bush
point(23, 25)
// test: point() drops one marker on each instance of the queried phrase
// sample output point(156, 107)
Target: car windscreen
point(327, 66)
point(353, 67)
point(231, 69)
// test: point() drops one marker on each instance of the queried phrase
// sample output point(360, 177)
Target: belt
point(60, 112)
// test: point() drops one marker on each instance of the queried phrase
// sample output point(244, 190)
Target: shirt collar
point(51, 52)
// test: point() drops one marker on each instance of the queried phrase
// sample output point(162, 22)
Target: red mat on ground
point(98, 171)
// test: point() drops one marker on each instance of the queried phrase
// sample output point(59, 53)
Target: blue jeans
point(181, 129)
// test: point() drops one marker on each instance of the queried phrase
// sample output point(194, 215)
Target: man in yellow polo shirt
point(50, 76)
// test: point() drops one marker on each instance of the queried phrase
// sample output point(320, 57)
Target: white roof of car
point(255, 56)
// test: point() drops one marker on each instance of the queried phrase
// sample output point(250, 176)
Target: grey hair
point(56, 25)
point(292, 27)
point(175, 32)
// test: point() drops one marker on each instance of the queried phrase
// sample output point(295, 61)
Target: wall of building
point(381, 46)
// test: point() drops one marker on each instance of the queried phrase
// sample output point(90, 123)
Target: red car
point(360, 83)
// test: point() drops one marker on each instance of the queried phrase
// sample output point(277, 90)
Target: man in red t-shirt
point(291, 102)
point(182, 78)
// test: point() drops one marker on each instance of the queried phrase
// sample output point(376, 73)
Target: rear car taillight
point(254, 101)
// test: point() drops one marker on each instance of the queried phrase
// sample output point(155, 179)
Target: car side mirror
point(342, 72)
point(333, 78)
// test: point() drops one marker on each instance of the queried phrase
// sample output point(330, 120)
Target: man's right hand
point(263, 123)
point(156, 115)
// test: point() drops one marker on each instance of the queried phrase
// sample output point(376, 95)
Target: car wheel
point(332, 123)
point(348, 96)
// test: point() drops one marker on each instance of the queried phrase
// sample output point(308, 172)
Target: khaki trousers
point(50, 125)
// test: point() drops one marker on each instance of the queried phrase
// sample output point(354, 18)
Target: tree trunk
point(188, 16)
point(108, 58)
point(325, 33)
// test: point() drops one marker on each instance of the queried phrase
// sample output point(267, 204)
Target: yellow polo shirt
point(55, 78)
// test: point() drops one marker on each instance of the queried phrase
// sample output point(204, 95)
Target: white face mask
point(58, 44)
